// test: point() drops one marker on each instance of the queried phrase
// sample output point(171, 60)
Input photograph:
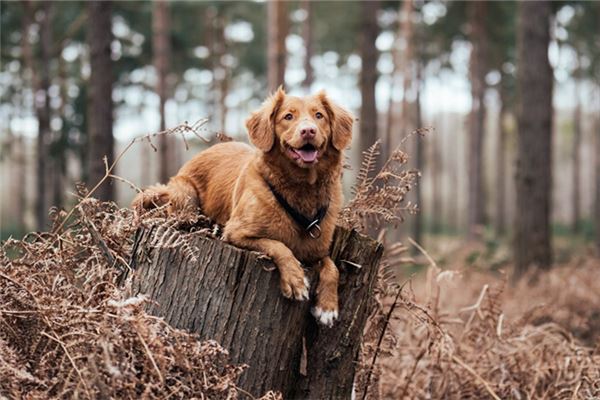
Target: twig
point(57, 340)
point(109, 168)
point(381, 336)
point(475, 308)
point(412, 373)
point(150, 356)
point(477, 376)
point(422, 250)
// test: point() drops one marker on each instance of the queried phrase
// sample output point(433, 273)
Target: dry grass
point(461, 334)
point(68, 331)
point(458, 334)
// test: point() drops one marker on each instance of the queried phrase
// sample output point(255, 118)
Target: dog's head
point(304, 129)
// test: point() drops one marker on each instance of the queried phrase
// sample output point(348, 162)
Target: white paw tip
point(304, 295)
point(306, 283)
point(324, 317)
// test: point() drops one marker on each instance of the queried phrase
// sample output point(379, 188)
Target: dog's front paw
point(325, 316)
point(294, 283)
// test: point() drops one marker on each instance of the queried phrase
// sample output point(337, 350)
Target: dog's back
point(206, 181)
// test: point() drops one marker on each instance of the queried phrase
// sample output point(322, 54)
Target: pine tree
point(534, 144)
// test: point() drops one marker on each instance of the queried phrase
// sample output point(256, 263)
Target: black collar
point(309, 224)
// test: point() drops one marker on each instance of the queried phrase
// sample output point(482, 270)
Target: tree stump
point(232, 296)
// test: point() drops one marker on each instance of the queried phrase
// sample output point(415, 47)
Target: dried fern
point(380, 199)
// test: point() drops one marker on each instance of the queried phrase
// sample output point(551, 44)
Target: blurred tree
point(489, 27)
point(407, 61)
point(307, 36)
point(596, 210)
point(100, 126)
point(583, 37)
point(501, 170)
point(218, 51)
point(478, 68)
point(277, 23)
point(419, 158)
point(368, 75)
point(161, 47)
point(41, 85)
point(435, 165)
point(502, 59)
point(534, 167)
point(576, 153)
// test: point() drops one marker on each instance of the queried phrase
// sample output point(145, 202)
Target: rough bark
point(477, 72)
point(232, 296)
point(534, 143)
point(368, 75)
point(307, 36)
point(100, 126)
point(276, 52)
point(161, 47)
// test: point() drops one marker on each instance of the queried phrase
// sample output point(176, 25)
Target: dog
point(281, 198)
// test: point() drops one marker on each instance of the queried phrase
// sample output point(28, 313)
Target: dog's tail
point(180, 194)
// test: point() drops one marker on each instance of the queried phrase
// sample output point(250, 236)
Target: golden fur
point(229, 183)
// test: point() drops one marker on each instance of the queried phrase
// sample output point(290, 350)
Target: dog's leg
point(293, 282)
point(326, 309)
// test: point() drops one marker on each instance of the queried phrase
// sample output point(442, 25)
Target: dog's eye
point(289, 116)
point(319, 115)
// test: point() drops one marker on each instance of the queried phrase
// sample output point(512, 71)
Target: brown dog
point(282, 199)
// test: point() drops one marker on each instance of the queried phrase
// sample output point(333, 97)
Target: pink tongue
point(307, 155)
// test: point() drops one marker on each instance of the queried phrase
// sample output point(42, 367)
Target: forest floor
point(459, 328)
point(466, 330)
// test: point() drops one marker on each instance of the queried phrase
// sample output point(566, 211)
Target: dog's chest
point(307, 248)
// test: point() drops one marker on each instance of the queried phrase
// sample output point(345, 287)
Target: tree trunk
point(436, 164)
point(501, 171)
point(100, 127)
point(20, 162)
point(161, 47)
point(401, 59)
point(407, 66)
point(307, 36)
point(42, 108)
point(534, 144)
point(419, 162)
point(276, 52)
point(477, 71)
point(233, 296)
point(576, 161)
point(597, 197)
point(368, 75)
point(221, 70)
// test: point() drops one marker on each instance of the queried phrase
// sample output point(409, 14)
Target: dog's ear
point(261, 124)
point(340, 120)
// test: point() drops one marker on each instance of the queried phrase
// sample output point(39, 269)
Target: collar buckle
point(314, 230)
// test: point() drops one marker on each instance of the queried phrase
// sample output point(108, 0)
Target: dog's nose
point(308, 132)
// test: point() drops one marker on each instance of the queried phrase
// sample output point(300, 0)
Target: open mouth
point(307, 153)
